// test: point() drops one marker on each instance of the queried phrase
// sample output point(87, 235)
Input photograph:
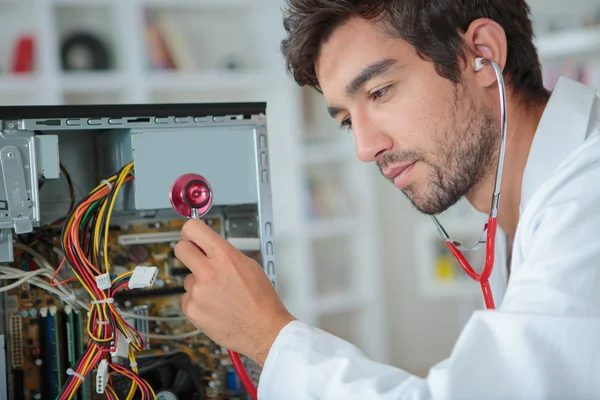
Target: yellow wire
point(119, 180)
point(119, 184)
point(123, 275)
point(105, 212)
point(84, 371)
point(134, 384)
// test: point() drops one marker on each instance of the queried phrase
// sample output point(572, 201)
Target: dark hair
point(433, 27)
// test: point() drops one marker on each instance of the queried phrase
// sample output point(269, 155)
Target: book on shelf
point(586, 72)
point(167, 46)
point(330, 201)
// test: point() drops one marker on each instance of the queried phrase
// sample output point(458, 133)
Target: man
point(400, 75)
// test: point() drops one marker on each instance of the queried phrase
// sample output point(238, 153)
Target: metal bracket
point(19, 203)
point(6, 247)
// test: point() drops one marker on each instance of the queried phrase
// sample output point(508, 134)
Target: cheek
point(410, 119)
point(422, 173)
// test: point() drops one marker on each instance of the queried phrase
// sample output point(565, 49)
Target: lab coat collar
point(563, 126)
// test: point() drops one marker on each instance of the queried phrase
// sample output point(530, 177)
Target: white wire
point(25, 277)
point(61, 291)
point(171, 337)
point(31, 278)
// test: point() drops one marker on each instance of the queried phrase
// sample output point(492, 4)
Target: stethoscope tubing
point(488, 237)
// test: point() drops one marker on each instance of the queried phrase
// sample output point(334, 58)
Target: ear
point(487, 39)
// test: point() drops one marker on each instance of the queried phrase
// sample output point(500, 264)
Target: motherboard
point(48, 333)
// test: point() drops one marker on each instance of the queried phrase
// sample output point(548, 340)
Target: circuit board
point(47, 337)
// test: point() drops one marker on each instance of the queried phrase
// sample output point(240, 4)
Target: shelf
point(83, 3)
point(329, 150)
point(440, 276)
point(340, 303)
point(10, 83)
point(466, 289)
point(333, 228)
point(101, 81)
point(199, 4)
point(195, 81)
point(569, 43)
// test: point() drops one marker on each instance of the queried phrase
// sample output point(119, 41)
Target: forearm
point(307, 363)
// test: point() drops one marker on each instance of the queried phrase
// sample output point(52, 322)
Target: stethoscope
point(191, 196)
point(488, 236)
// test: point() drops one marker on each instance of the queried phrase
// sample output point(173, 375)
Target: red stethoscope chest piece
point(191, 195)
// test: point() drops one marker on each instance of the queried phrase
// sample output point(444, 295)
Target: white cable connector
point(122, 348)
point(103, 281)
point(102, 376)
point(143, 277)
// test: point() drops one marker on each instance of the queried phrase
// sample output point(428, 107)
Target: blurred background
point(353, 257)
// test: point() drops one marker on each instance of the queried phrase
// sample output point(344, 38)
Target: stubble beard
point(463, 156)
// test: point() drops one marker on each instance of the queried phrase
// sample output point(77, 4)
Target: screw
point(11, 126)
point(10, 154)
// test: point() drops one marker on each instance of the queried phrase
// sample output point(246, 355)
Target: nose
point(371, 141)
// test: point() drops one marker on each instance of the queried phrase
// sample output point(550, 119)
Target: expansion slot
point(148, 293)
point(84, 392)
point(53, 368)
point(142, 325)
point(70, 339)
point(18, 382)
point(59, 369)
point(242, 244)
point(16, 334)
point(70, 336)
point(3, 371)
point(45, 355)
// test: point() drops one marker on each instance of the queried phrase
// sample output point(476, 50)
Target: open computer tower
point(89, 186)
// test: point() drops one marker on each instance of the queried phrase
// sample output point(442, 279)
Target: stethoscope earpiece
point(479, 64)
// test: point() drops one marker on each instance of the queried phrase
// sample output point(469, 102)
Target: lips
point(400, 175)
point(394, 172)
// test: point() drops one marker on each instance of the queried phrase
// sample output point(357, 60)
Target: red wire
point(488, 266)
point(243, 374)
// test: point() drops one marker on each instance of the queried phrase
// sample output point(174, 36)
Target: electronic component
point(89, 283)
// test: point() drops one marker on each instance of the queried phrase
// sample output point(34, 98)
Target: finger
point(187, 305)
point(205, 237)
point(189, 254)
point(188, 283)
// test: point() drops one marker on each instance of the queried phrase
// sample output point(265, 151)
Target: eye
point(346, 124)
point(379, 93)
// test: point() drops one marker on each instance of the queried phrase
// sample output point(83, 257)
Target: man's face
point(433, 139)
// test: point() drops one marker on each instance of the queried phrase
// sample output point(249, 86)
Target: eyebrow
point(369, 72)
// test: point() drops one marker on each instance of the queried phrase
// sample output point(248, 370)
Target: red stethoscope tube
point(243, 374)
point(484, 277)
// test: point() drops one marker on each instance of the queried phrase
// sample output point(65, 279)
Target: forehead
point(353, 46)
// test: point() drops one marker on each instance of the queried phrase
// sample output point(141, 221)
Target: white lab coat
point(543, 341)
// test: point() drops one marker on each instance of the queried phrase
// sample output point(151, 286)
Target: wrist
point(275, 327)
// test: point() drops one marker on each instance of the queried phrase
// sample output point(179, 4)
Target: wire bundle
point(84, 240)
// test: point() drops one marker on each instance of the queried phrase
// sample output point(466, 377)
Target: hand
point(228, 295)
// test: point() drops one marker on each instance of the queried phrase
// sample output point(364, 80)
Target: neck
point(522, 124)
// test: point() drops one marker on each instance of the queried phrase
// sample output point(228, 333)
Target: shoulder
point(556, 241)
point(574, 186)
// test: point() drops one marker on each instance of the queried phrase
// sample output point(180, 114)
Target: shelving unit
point(328, 266)
point(578, 42)
point(343, 292)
